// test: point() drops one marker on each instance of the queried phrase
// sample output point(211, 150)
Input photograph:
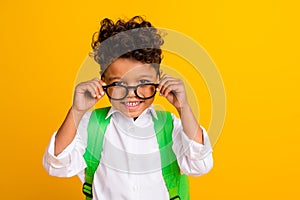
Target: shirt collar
point(150, 109)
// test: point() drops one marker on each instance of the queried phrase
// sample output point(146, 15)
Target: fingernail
point(102, 93)
point(104, 84)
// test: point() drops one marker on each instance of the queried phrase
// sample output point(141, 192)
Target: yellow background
point(255, 45)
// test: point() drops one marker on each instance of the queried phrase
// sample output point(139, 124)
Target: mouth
point(131, 105)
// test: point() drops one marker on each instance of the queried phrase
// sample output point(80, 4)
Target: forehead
point(125, 68)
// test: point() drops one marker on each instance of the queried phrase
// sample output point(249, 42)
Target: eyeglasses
point(119, 92)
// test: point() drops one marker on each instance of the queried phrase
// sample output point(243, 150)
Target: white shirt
point(130, 166)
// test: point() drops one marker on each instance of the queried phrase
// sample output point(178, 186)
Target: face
point(130, 72)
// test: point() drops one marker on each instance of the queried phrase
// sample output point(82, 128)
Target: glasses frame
point(127, 90)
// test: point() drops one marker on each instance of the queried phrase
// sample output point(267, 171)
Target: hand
point(87, 94)
point(174, 91)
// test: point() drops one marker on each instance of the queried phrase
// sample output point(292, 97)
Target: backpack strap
point(96, 130)
point(176, 183)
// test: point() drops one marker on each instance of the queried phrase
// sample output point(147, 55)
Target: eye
point(143, 81)
point(120, 83)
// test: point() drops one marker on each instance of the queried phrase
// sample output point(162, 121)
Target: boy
point(132, 162)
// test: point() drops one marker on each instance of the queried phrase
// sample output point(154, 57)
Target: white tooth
point(131, 103)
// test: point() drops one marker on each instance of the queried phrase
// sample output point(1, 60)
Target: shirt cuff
point(195, 150)
point(61, 160)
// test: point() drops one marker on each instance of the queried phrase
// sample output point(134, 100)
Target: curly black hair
point(135, 38)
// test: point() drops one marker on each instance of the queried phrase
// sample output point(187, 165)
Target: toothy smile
point(132, 104)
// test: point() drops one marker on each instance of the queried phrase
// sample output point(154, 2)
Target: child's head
point(135, 38)
point(129, 54)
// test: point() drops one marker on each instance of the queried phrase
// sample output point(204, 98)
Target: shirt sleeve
point(70, 162)
point(193, 158)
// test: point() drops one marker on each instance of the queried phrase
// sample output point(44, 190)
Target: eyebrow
point(146, 76)
point(113, 78)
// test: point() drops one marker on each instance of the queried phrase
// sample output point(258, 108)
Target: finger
point(170, 89)
point(162, 81)
point(162, 87)
point(166, 84)
point(165, 76)
point(95, 79)
point(172, 85)
point(96, 83)
point(89, 87)
point(99, 83)
point(102, 83)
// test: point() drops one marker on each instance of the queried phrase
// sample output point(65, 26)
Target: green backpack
point(176, 183)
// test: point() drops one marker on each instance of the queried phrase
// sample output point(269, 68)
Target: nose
point(131, 92)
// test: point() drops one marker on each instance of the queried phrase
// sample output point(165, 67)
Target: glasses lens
point(117, 92)
point(145, 91)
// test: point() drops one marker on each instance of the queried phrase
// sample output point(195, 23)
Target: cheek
point(114, 102)
point(148, 102)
